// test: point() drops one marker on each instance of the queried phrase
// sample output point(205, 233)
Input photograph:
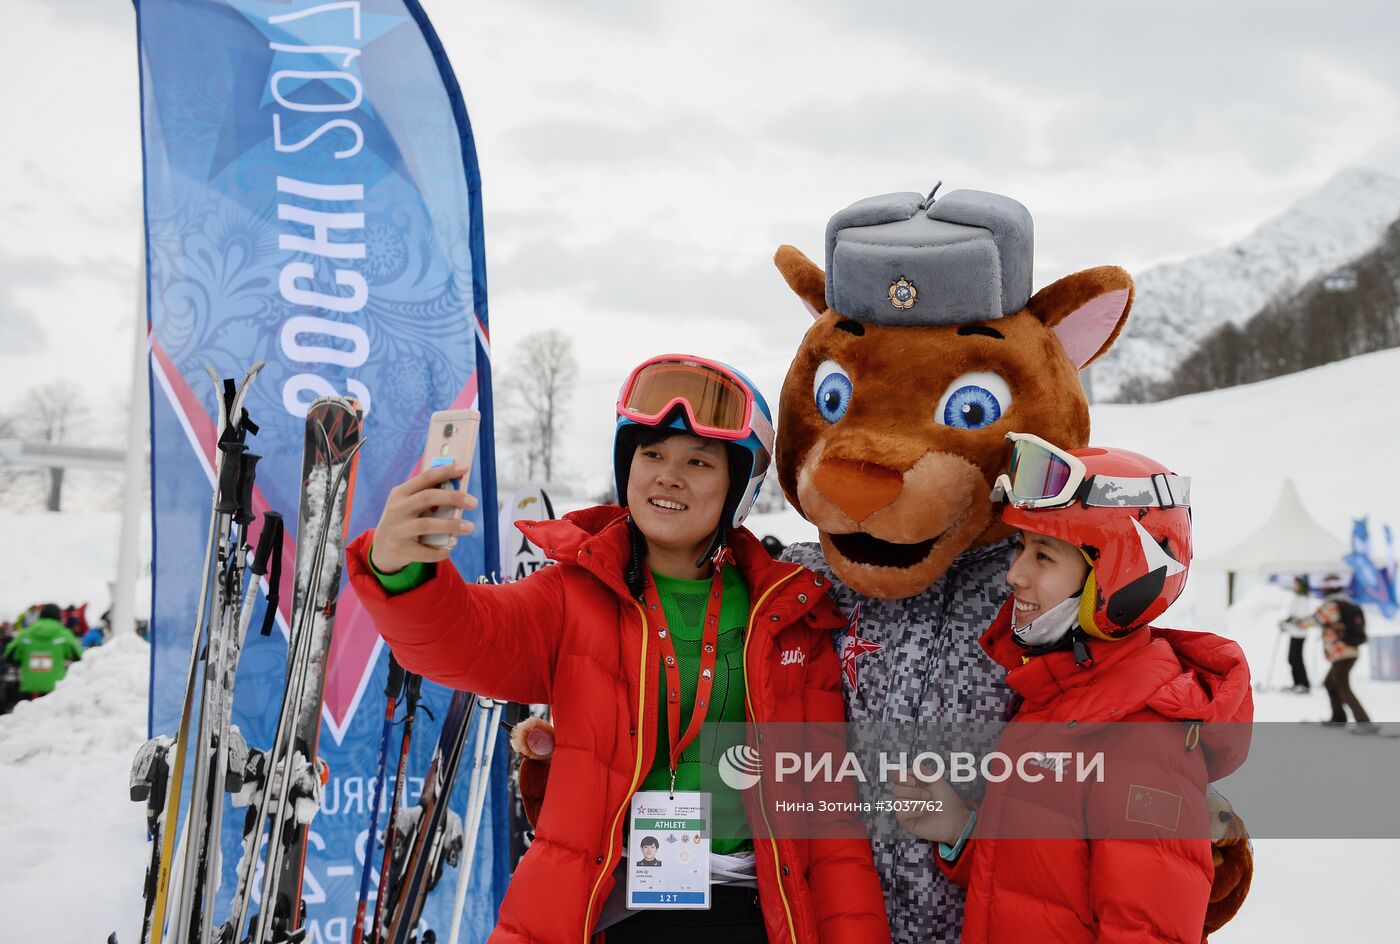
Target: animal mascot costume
point(927, 348)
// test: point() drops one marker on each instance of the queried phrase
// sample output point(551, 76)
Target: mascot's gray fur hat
point(906, 259)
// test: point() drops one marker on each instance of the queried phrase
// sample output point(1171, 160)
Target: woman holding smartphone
point(662, 613)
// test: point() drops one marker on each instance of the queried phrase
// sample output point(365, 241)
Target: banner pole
point(134, 482)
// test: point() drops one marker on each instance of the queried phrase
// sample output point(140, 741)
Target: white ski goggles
point(1042, 475)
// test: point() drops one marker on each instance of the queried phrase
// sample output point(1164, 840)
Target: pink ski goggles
point(717, 402)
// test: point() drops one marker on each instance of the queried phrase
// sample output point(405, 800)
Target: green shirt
point(684, 603)
point(43, 650)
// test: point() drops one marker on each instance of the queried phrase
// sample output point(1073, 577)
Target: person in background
point(43, 650)
point(1343, 633)
point(1299, 609)
point(9, 672)
point(75, 618)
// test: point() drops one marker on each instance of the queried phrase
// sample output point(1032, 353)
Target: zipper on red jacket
point(613, 837)
point(748, 703)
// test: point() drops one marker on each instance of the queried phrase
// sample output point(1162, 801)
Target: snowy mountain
point(1178, 305)
point(1340, 314)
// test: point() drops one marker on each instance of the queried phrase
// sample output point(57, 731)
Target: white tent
point(1289, 542)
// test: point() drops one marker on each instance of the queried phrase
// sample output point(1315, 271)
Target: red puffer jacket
point(1156, 886)
point(572, 637)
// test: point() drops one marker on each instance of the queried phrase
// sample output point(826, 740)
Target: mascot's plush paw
point(533, 740)
point(1234, 863)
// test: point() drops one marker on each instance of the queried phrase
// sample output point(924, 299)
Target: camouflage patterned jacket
point(918, 660)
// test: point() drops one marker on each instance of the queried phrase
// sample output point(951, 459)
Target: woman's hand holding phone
point(403, 520)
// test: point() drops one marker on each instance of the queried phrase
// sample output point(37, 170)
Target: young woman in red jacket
point(659, 615)
point(1126, 856)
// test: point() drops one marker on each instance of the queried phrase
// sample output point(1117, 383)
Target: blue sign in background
point(312, 201)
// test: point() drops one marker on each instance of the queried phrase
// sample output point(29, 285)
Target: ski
point(150, 779)
point(231, 755)
point(426, 843)
point(233, 425)
point(200, 877)
point(289, 792)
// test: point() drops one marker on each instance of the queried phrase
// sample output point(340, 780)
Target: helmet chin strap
point(718, 552)
point(634, 575)
point(1049, 627)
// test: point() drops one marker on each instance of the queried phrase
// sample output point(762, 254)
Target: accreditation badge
point(668, 850)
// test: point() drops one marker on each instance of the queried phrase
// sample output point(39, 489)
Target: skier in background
point(1299, 610)
point(1343, 633)
point(43, 649)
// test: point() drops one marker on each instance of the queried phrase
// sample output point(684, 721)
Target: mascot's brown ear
point(803, 276)
point(1086, 310)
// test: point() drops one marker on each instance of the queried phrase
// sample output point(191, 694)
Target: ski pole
point(476, 803)
point(413, 685)
point(1263, 685)
point(391, 694)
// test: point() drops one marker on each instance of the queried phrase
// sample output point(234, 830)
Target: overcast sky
point(641, 160)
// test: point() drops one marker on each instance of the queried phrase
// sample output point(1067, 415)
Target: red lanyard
point(679, 742)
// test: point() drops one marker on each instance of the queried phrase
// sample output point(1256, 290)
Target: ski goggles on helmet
point(717, 402)
point(1042, 475)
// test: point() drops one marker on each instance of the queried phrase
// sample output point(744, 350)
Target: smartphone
point(451, 439)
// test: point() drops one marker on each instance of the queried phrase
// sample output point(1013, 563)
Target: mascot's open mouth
point(860, 548)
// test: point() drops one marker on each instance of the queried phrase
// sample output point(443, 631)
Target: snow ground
point(74, 847)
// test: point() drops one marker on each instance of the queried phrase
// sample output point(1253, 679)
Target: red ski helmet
point(1129, 515)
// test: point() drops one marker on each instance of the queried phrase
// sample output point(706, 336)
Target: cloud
point(99, 14)
point(918, 124)
point(1145, 86)
point(20, 332)
point(638, 272)
point(668, 136)
point(48, 271)
point(631, 15)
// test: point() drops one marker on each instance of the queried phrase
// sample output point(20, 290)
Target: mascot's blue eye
point(974, 401)
point(833, 390)
point(971, 408)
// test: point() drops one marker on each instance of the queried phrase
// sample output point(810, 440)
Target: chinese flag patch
point(1153, 807)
